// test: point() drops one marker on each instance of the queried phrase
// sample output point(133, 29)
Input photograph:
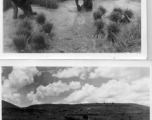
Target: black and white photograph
point(73, 26)
point(76, 90)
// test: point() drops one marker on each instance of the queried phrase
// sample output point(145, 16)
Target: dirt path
point(73, 30)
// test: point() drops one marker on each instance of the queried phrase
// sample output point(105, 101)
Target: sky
point(25, 86)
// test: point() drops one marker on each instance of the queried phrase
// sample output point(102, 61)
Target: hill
point(107, 111)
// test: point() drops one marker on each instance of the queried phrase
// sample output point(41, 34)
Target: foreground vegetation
point(121, 34)
point(27, 39)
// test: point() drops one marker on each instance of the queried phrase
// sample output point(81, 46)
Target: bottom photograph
point(71, 90)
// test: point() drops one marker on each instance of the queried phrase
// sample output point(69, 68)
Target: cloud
point(36, 102)
point(120, 73)
point(72, 72)
point(12, 97)
point(78, 95)
point(18, 78)
point(113, 91)
point(53, 89)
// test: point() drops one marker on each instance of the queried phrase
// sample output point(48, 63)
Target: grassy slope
point(58, 112)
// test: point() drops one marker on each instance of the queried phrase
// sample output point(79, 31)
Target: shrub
point(113, 30)
point(23, 31)
point(129, 13)
point(39, 41)
point(41, 18)
point(20, 42)
point(102, 9)
point(119, 15)
point(47, 27)
point(115, 16)
point(97, 15)
point(26, 23)
point(99, 24)
point(119, 10)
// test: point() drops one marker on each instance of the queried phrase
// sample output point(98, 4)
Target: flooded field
point(73, 31)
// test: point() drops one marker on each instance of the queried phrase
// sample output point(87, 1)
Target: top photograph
point(74, 26)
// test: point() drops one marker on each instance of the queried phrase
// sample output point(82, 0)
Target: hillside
point(107, 111)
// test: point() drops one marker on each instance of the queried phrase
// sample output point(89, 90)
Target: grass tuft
point(113, 30)
point(97, 15)
point(20, 42)
point(129, 13)
point(39, 41)
point(118, 9)
point(121, 16)
point(102, 9)
point(47, 27)
point(26, 23)
point(115, 17)
point(41, 18)
point(23, 31)
point(99, 24)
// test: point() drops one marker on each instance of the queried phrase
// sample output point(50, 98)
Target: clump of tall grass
point(118, 9)
point(102, 9)
point(47, 27)
point(23, 31)
point(97, 15)
point(116, 17)
point(113, 30)
point(26, 23)
point(41, 18)
point(129, 13)
point(99, 24)
point(20, 42)
point(121, 16)
point(38, 40)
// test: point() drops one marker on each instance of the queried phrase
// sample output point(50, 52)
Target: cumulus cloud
point(79, 95)
point(120, 73)
point(72, 72)
point(53, 89)
point(36, 102)
point(18, 78)
point(113, 91)
point(12, 97)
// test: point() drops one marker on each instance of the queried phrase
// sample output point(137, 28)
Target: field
point(96, 111)
point(74, 32)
